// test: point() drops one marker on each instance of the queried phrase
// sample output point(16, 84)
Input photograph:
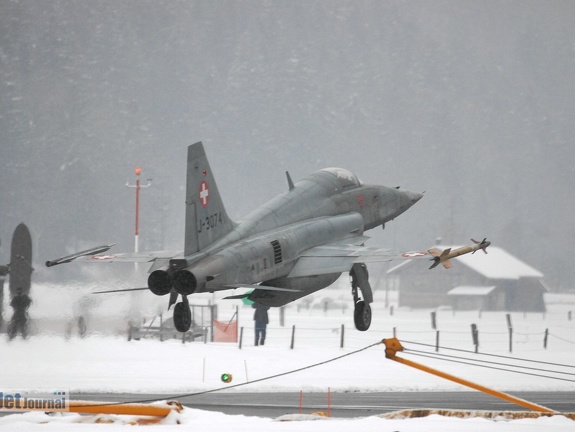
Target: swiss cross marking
point(204, 194)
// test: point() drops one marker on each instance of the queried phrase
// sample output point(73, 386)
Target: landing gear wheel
point(362, 315)
point(182, 317)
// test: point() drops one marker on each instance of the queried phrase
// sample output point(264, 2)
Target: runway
point(346, 405)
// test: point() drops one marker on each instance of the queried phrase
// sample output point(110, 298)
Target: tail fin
point(206, 217)
point(440, 258)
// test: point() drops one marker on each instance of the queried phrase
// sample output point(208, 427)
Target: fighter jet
point(298, 243)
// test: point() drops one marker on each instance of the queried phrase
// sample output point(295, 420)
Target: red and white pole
point(138, 186)
point(137, 171)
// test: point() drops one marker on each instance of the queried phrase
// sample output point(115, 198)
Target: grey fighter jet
point(298, 243)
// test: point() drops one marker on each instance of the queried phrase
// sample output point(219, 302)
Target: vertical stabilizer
point(206, 217)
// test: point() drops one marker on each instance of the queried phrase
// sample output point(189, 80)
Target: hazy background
point(471, 102)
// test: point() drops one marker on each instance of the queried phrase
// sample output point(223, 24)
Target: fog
point(471, 102)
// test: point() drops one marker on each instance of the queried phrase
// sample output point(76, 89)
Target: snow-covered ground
point(209, 421)
point(103, 362)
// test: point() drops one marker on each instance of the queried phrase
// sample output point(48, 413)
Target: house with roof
point(496, 281)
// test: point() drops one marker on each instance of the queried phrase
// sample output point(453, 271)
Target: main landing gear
point(362, 311)
point(182, 315)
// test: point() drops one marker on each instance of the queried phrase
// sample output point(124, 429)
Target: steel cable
point(178, 396)
point(491, 355)
point(493, 367)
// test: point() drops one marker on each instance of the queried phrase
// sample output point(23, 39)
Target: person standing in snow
point(261, 321)
point(19, 322)
point(4, 271)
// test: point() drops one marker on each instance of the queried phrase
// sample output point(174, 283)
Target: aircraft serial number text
point(210, 222)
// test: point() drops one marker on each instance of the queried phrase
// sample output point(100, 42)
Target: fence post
point(342, 336)
point(510, 339)
point(433, 320)
point(508, 318)
point(241, 336)
point(282, 316)
point(545, 338)
point(204, 370)
point(292, 336)
point(510, 328)
point(437, 341)
point(213, 316)
point(395, 333)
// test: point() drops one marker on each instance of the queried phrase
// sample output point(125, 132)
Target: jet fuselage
point(263, 247)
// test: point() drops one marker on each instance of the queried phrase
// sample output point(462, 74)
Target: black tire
point(182, 317)
point(362, 315)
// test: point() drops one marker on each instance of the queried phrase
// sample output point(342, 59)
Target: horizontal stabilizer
point(256, 287)
point(261, 287)
point(121, 290)
point(237, 297)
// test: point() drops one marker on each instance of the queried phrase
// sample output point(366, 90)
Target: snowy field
point(104, 362)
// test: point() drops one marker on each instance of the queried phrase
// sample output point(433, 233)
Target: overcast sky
point(471, 102)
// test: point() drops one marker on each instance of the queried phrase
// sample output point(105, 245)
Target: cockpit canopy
point(346, 179)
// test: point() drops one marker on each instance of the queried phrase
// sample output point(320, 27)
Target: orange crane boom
point(393, 345)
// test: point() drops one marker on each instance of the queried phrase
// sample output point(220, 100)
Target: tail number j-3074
point(210, 222)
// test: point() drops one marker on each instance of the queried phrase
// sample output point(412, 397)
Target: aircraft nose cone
point(409, 198)
point(396, 201)
point(414, 196)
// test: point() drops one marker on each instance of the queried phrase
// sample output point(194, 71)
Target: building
point(494, 281)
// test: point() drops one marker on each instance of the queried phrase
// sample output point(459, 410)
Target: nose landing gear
point(360, 282)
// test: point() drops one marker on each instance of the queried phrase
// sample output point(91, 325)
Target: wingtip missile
point(443, 257)
point(88, 252)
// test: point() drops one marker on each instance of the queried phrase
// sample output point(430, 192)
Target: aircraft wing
point(339, 257)
point(99, 254)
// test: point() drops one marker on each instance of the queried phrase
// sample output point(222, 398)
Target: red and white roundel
point(413, 254)
point(103, 257)
point(204, 194)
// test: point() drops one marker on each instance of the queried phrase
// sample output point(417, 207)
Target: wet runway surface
point(347, 404)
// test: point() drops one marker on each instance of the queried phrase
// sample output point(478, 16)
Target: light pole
point(138, 171)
